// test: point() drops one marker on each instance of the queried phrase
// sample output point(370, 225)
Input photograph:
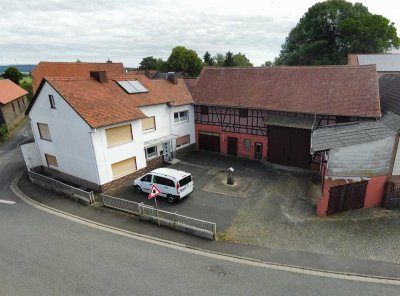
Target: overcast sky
point(126, 31)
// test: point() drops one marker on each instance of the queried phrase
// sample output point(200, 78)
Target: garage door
point(209, 141)
point(289, 146)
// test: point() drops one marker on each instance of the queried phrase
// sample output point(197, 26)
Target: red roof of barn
point(334, 90)
point(9, 91)
point(103, 104)
point(72, 69)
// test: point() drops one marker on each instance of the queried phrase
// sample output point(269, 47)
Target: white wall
point(106, 156)
point(396, 166)
point(183, 129)
point(362, 160)
point(71, 143)
point(31, 155)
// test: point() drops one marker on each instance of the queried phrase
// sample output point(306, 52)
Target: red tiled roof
point(9, 91)
point(334, 90)
point(102, 104)
point(72, 69)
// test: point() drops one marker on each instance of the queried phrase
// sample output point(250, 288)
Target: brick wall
point(151, 165)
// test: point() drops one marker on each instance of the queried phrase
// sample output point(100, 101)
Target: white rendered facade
point(83, 152)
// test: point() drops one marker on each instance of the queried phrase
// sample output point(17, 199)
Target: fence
point(60, 187)
point(183, 223)
point(392, 195)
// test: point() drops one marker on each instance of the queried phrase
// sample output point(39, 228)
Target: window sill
point(149, 131)
point(181, 122)
point(47, 140)
point(182, 146)
point(151, 157)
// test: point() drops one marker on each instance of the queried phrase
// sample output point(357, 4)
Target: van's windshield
point(185, 180)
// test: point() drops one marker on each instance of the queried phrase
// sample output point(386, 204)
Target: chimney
point(100, 76)
point(172, 78)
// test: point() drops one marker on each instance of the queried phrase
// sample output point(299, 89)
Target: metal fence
point(60, 187)
point(183, 223)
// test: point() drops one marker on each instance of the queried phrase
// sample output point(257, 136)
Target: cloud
point(127, 31)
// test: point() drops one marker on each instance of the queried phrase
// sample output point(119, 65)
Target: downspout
point(171, 114)
point(92, 131)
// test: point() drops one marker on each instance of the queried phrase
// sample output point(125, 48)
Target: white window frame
point(180, 119)
point(151, 156)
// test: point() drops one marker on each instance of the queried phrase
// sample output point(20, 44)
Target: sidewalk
point(126, 222)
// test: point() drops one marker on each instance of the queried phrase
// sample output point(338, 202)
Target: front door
point(232, 146)
point(258, 147)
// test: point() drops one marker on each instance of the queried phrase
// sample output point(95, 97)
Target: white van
point(173, 184)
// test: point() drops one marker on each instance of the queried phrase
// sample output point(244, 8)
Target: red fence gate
point(347, 197)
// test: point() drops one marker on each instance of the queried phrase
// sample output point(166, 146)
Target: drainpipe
point(171, 114)
point(92, 131)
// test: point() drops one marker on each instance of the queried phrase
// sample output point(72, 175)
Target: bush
point(3, 132)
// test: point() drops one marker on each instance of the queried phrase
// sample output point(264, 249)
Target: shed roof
point(334, 90)
point(389, 90)
point(389, 62)
point(347, 134)
point(9, 91)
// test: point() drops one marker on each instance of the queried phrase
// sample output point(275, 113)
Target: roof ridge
point(78, 63)
point(294, 67)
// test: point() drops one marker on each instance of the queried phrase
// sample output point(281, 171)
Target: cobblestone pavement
point(280, 213)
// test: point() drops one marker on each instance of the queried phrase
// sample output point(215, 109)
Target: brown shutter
point(148, 123)
point(44, 131)
point(51, 160)
point(119, 135)
point(183, 140)
point(123, 168)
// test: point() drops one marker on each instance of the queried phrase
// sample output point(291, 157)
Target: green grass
point(26, 80)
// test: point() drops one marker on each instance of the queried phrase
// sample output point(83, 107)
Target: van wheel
point(138, 189)
point(170, 199)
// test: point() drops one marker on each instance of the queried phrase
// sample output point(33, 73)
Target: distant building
point(385, 63)
point(72, 69)
point(13, 103)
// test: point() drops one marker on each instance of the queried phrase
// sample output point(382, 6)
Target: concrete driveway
point(276, 208)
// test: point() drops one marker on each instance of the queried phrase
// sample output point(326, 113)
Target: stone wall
point(185, 150)
point(151, 165)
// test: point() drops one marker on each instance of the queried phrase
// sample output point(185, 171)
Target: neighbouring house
point(13, 103)
point(357, 161)
point(269, 113)
point(101, 130)
point(72, 69)
point(385, 63)
point(389, 90)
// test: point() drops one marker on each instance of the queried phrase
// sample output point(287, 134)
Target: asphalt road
point(43, 254)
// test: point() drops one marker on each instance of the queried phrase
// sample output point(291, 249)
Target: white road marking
point(7, 201)
point(202, 252)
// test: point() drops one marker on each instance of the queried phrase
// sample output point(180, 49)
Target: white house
point(103, 130)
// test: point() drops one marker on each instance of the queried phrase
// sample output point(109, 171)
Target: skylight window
point(132, 86)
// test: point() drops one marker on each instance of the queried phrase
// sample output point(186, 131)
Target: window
point(163, 181)
point(51, 160)
point(124, 167)
point(146, 178)
point(246, 143)
point(182, 141)
point(204, 110)
point(181, 116)
point(185, 181)
point(149, 123)
point(119, 135)
point(52, 103)
point(19, 106)
point(242, 112)
point(151, 152)
point(44, 131)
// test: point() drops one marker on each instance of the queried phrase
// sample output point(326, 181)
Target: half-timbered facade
point(269, 113)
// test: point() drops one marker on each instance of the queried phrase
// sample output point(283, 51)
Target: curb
point(200, 251)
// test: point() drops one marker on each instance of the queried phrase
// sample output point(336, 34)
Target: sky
point(127, 31)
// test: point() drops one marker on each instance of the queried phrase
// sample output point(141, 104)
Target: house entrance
point(232, 146)
point(258, 148)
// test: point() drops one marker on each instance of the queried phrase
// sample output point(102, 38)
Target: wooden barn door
point(209, 141)
point(347, 197)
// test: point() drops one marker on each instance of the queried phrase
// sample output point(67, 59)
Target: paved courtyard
point(275, 208)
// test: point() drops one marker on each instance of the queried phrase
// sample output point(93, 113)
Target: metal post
point(158, 217)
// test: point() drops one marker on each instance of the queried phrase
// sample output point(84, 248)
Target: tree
point(241, 60)
point(229, 61)
point(148, 63)
point(330, 30)
point(13, 74)
point(268, 64)
point(208, 60)
point(184, 60)
point(219, 59)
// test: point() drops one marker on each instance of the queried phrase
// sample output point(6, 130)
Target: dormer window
point(52, 103)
